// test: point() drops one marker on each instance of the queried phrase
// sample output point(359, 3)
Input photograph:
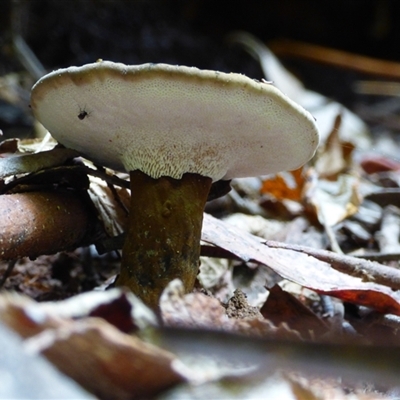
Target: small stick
point(7, 273)
point(335, 58)
point(369, 271)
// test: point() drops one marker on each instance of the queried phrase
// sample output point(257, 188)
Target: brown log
point(37, 223)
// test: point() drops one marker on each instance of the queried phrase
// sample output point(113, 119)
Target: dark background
point(191, 31)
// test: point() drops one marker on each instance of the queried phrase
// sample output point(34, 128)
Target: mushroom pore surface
point(170, 120)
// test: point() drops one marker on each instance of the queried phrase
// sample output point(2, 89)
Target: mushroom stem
point(163, 238)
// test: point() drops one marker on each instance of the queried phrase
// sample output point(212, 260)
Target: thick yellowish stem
point(163, 238)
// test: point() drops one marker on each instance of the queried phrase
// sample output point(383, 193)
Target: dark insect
point(82, 115)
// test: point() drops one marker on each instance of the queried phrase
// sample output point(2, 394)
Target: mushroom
point(176, 130)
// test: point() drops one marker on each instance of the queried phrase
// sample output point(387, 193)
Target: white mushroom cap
point(169, 120)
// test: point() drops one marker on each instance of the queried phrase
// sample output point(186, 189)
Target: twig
point(335, 58)
point(368, 271)
point(7, 273)
point(379, 257)
point(24, 53)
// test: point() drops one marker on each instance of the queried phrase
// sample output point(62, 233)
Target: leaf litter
point(271, 314)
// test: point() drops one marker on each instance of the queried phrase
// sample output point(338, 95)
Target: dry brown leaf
point(285, 186)
point(118, 307)
point(112, 211)
point(281, 307)
point(24, 316)
point(89, 349)
point(107, 362)
point(301, 267)
point(335, 156)
point(333, 201)
point(375, 163)
point(27, 163)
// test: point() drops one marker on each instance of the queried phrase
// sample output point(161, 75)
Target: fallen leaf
point(28, 317)
point(27, 163)
point(335, 155)
point(107, 362)
point(28, 376)
point(300, 267)
point(89, 349)
point(281, 306)
point(333, 201)
point(375, 163)
point(285, 186)
point(112, 205)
